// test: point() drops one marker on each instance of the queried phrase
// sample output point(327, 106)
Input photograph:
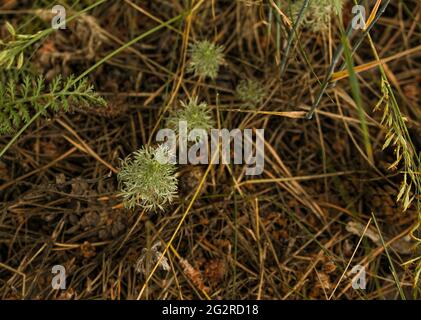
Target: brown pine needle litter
point(85, 183)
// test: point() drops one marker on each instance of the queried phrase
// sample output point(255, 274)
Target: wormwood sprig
point(250, 92)
point(319, 13)
point(147, 178)
point(397, 136)
point(197, 115)
point(206, 58)
point(21, 97)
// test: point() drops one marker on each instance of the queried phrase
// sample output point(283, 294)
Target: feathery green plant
point(206, 58)
point(398, 137)
point(197, 115)
point(250, 92)
point(319, 13)
point(20, 98)
point(147, 178)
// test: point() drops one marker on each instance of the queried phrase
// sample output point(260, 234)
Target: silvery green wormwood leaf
point(205, 59)
point(147, 180)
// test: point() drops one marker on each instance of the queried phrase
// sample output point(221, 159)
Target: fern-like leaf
point(22, 97)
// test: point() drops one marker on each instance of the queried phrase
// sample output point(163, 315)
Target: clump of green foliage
point(318, 14)
point(22, 96)
point(197, 115)
point(147, 178)
point(250, 92)
point(206, 58)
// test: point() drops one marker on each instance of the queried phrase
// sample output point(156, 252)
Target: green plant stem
point(129, 44)
point(292, 33)
point(18, 134)
point(325, 84)
point(356, 93)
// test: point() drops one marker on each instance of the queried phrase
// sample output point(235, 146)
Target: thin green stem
point(18, 134)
